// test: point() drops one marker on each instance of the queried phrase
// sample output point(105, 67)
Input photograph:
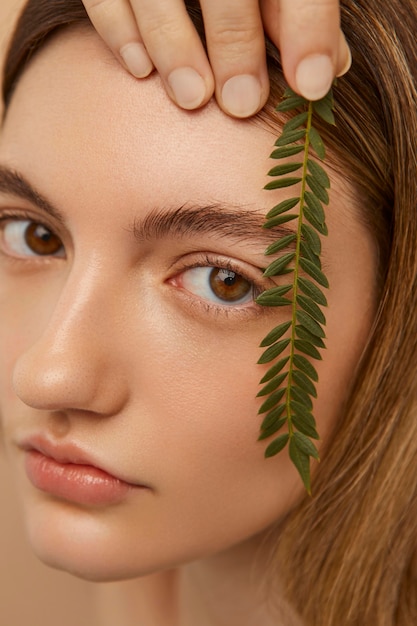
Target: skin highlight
point(77, 374)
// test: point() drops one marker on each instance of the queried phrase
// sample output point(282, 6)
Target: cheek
point(25, 307)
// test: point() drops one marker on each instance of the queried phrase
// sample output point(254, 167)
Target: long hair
point(347, 554)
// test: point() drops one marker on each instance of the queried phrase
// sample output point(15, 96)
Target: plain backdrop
point(30, 593)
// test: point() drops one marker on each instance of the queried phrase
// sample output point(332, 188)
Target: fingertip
point(136, 59)
point(188, 88)
point(344, 56)
point(241, 96)
point(314, 76)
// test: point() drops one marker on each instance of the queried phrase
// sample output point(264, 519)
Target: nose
point(75, 364)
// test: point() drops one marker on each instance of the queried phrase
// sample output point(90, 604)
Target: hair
point(347, 555)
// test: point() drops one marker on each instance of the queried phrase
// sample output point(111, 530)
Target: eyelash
point(212, 261)
point(22, 216)
point(205, 260)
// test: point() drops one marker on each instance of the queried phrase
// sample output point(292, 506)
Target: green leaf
point(272, 385)
point(310, 289)
point(319, 173)
point(305, 366)
point(305, 427)
point(317, 143)
point(285, 168)
point(306, 446)
point(295, 122)
point(279, 183)
point(321, 228)
point(311, 308)
point(300, 401)
point(280, 219)
point(312, 238)
point(303, 333)
point(300, 409)
point(273, 297)
point(276, 333)
point(290, 103)
point(272, 401)
point(301, 462)
point(274, 428)
point(273, 351)
point(305, 383)
point(315, 206)
point(307, 348)
point(275, 369)
point(290, 137)
point(277, 445)
point(281, 244)
point(286, 151)
point(317, 189)
point(274, 417)
point(324, 110)
point(308, 253)
point(311, 325)
point(282, 207)
point(279, 264)
point(315, 273)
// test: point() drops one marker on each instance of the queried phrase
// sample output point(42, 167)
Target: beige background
point(30, 593)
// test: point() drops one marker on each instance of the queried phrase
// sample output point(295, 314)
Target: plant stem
point(296, 271)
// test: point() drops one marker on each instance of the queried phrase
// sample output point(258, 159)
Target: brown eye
point(229, 286)
point(26, 238)
point(41, 240)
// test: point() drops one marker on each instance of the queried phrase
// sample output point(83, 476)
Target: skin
point(144, 34)
point(109, 347)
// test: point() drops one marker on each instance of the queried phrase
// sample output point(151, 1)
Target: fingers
point(235, 43)
point(176, 50)
point(313, 48)
point(160, 33)
point(115, 22)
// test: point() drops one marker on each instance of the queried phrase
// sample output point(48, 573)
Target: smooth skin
point(144, 34)
point(117, 343)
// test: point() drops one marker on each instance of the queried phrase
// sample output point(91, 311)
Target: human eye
point(221, 284)
point(22, 238)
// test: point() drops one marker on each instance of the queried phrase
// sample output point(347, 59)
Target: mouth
point(65, 472)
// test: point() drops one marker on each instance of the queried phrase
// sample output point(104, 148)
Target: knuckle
point(166, 29)
point(98, 5)
point(238, 33)
point(316, 13)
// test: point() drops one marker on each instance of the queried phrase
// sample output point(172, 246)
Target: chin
point(83, 543)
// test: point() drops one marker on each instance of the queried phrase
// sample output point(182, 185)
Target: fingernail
point(344, 53)
point(314, 76)
point(241, 95)
point(136, 59)
point(188, 87)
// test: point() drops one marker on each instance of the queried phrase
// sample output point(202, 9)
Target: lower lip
point(81, 484)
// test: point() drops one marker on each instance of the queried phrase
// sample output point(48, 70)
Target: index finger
point(313, 48)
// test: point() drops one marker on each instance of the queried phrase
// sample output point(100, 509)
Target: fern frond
point(289, 383)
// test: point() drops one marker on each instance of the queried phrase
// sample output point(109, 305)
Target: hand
point(144, 34)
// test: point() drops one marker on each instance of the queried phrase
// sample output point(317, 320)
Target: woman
point(128, 380)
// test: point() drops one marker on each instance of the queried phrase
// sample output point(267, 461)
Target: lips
point(65, 472)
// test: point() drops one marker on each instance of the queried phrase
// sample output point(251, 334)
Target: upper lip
point(66, 452)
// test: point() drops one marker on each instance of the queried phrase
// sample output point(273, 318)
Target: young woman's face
point(121, 345)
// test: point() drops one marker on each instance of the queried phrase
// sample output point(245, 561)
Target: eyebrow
point(223, 220)
point(13, 183)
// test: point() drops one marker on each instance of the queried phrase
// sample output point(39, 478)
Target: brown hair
point(347, 553)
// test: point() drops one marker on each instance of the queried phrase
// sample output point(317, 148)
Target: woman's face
point(121, 347)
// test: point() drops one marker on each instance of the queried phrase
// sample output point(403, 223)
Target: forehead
point(77, 112)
